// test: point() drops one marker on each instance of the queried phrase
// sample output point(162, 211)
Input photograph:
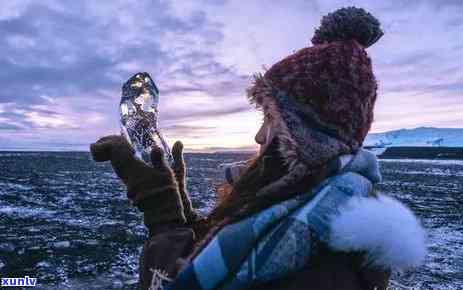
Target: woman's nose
point(261, 136)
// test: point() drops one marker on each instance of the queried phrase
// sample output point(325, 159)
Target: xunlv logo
point(14, 282)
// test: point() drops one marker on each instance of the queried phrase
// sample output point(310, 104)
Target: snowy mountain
point(422, 136)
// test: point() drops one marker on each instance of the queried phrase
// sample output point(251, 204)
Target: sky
point(64, 62)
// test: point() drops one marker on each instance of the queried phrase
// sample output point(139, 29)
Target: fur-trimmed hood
point(301, 135)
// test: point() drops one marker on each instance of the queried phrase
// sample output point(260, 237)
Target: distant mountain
point(422, 136)
point(242, 149)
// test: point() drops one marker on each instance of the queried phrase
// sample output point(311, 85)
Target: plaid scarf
point(281, 239)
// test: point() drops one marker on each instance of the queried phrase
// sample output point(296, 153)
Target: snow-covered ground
point(422, 136)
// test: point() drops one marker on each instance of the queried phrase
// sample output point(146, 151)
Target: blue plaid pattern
point(272, 243)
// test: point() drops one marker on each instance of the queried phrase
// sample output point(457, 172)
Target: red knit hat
point(323, 96)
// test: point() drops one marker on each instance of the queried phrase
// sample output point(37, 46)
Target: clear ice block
point(139, 117)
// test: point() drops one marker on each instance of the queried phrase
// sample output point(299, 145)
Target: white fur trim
point(384, 228)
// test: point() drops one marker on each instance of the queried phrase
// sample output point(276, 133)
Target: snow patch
point(26, 212)
point(382, 227)
point(422, 136)
point(432, 162)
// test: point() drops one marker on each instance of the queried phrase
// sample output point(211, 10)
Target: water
point(434, 190)
point(65, 219)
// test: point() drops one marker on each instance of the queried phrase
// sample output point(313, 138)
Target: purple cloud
point(63, 64)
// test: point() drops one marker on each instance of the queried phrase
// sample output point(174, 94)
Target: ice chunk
point(139, 116)
point(62, 245)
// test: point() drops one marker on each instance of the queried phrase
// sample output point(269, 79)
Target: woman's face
point(266, 133)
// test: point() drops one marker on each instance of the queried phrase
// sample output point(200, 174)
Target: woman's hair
point(241, 200)
point(267, 170)
point(237, 199)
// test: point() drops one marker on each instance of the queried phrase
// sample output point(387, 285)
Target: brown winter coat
point(171, 239)
point(328, 271)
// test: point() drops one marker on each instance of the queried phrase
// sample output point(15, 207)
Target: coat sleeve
point(332, 271)
point(161, 253)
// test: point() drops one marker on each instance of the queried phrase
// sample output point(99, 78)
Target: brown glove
point(153, 190)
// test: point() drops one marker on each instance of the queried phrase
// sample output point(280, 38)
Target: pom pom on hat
point(346, 24)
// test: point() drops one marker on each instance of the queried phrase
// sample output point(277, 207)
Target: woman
point(285, 220)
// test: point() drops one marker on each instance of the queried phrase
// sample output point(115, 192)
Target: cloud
point(85, 47)
point(185, 131)
point(63, 63)
point(9, 126)
point(184, 114)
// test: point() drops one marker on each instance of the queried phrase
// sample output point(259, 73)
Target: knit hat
point(323, 96)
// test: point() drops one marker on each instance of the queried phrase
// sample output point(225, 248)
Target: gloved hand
point(154, 190)
point(180, 175)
